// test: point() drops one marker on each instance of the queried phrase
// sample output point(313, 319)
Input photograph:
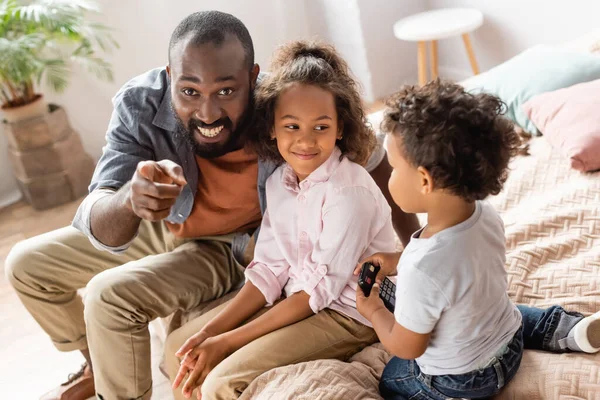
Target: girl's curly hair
point(318, 64)
point(462, 139)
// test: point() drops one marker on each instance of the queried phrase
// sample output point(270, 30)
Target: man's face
point(211, 91)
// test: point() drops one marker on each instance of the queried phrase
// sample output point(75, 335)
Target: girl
point(325, 213)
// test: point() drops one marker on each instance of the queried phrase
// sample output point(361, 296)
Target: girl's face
point(306, 127)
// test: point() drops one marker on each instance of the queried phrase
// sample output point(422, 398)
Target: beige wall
point(511, 26)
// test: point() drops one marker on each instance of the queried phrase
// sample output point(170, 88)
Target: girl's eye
point(225, 92)
point(291, 126)
point(321, 127)
point(189, 92)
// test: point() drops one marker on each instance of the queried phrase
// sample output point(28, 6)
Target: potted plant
point(40, 42)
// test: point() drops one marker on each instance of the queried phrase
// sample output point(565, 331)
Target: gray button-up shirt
point(142, 127)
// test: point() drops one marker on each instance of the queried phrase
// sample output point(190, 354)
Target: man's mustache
point(225, 122)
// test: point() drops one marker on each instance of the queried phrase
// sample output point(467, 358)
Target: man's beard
point(213, 150)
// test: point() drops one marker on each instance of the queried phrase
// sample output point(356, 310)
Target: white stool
point(432, 26)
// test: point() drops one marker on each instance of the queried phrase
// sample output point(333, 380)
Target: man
point(174, 201)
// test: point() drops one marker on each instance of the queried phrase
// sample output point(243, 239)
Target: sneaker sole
point(593, 334)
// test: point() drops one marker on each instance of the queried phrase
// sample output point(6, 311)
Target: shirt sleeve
point(82, 221)
point(268, 271)
point(119, 160)
point(351, 218)
point(419, 301)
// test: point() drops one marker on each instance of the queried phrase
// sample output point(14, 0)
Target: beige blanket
point(552, 218)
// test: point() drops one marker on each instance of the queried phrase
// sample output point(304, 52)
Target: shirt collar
point(321, 174)
point(165, 117)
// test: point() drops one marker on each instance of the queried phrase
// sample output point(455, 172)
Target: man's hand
point(387, 262)
point(198, 362)
point(367, 306)
point(154, 188)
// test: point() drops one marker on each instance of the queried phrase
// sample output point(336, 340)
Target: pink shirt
point(313, 234)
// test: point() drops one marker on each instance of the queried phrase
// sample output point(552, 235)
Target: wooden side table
point(431, 26)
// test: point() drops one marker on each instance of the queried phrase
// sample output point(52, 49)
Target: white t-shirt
point(453, 285)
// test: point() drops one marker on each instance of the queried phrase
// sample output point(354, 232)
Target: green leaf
point(56, 72)
point(40, 39)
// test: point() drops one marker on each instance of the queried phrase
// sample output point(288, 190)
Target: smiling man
point(173, 210)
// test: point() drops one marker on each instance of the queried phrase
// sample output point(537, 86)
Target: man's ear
point(168, 71)
point(254, 75)
point(425, 180)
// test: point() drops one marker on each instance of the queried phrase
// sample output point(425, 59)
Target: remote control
point(387, 290)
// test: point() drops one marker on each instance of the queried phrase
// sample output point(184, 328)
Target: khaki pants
point(327, 334)
point(156, 276)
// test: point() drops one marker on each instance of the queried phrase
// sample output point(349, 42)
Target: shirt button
point(301, 198)
point(180, 215)
point(322, 269)
point(303, 235)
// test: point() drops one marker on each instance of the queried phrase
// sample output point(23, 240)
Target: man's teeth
point(210, 132)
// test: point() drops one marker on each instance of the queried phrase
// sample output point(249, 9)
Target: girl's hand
point(199, 361)
point(193, 341)
point(387, 262)
point(367, 306)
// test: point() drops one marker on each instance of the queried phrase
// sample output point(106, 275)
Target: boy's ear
point(426, 182)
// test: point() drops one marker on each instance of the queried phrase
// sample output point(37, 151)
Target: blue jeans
point(542, 330)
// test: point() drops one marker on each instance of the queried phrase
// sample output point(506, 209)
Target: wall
point(391, 62)
point(511, 26)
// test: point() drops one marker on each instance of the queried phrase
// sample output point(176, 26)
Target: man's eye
point(225, 92)
point(321, 127)
point(189, 92)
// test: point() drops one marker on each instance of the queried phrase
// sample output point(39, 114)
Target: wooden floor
point(30, 365)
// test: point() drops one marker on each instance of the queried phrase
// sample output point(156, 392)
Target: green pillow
point(537, 70)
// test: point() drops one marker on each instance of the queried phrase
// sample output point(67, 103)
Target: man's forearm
point(112, 220)
point(404, 224)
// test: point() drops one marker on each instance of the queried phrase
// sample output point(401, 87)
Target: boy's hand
point(367, 306)
point(387, 262)
point(198, 362)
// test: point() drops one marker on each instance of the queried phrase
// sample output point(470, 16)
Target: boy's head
point(445, 141)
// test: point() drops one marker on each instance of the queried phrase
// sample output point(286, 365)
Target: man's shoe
point(79, 386)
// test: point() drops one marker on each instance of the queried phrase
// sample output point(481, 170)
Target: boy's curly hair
point(462, 139)
point(318, 64)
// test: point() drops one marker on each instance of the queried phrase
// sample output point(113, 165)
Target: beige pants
point(156, 276)
point(327, 334)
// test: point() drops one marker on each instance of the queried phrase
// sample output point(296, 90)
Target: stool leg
point(470, 53)
point(434, 59)
point(422, 63)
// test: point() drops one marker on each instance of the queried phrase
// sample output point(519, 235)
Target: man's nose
point(209, 112)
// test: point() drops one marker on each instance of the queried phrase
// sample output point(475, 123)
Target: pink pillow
point(570, 120)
